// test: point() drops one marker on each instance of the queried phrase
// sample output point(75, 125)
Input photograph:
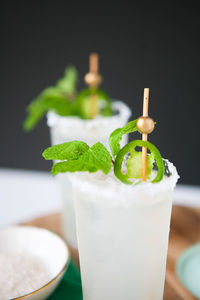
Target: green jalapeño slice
point(84, 103)
point(131, 163)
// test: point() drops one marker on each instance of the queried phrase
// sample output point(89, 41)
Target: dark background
point(142, 45)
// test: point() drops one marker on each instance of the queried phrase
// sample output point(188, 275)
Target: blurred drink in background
point(66, 129)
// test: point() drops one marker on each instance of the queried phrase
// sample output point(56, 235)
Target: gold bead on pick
point(145, 125)
point(93, 79)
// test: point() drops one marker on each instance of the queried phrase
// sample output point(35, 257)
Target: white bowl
point(48, 246)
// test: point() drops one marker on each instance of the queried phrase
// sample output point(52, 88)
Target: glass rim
point(120, 190)
point(121, 108)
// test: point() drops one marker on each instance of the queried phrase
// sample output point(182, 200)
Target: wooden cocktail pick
point(145, 126)
point(93, 79)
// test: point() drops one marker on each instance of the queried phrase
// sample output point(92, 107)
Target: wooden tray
point(185, 231)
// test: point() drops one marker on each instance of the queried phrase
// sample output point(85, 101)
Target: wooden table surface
point(185, 231)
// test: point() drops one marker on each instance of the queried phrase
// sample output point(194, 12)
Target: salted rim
point(96, 185)
point(122, 112)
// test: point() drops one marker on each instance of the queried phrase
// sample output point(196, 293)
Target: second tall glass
point(66, 129)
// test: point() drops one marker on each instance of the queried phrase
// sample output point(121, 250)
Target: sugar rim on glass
point(122, 110)
point(111, 188)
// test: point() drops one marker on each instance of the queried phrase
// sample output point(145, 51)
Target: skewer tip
point(94, 62)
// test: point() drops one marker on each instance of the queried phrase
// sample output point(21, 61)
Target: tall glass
point(122, 235)
point(66, 129)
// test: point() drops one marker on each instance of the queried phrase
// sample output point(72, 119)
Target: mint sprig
point(64, 101)
point(68, 83)
point(79, 156)
point(65, 151)
point(117, 135)
point(57, 98)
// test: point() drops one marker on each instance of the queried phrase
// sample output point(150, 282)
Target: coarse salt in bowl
point(32, 262)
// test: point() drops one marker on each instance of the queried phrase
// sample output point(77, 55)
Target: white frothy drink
point(66, 129)
point(122, 235)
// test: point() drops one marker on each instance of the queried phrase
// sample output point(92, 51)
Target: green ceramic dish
point(188, 269)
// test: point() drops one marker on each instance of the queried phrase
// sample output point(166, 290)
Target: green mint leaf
point(95, 158)
point(66, 151)
point(54, 98)
point(35, 110)
point(59, 104)
point(68, 166)
point(67, 84)
point(117, 134)
point(49, 99)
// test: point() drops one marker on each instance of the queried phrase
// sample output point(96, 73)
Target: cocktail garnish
point(78, 156)
point(81, 158)
point(64, 100)
point(134, 165)
point(65, 151)
point(58, 98)
point(93, 79)
point(167, 171)
point(129, 148)
point(67, 84)
point(102, 101)
point(145, 126)
point(116, 136)
point(93, 101)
